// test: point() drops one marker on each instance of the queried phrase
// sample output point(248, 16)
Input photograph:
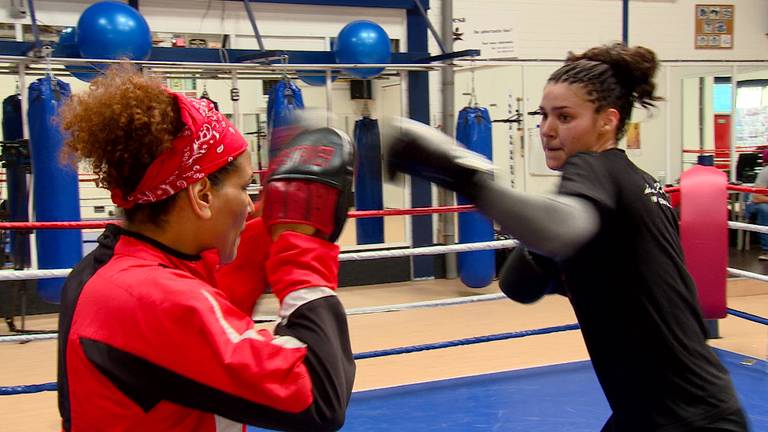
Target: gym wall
point(548, 29)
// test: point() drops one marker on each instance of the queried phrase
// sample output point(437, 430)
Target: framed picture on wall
point(714, 26)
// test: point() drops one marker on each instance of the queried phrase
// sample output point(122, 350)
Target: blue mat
point(563, 398)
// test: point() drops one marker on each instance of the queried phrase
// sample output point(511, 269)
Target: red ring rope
point(752, 149)
point(352, 214)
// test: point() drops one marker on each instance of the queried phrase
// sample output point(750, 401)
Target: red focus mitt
point(310, 182)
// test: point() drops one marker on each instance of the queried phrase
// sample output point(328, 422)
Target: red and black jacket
point(155, 340)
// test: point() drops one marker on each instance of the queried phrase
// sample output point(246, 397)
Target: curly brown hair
point(119, 127)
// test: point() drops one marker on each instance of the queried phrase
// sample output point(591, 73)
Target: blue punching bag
point(368, 188)
point(12, 125)
point(284, 99)
point(16, 159)
point(476, 269)
point(55, 190)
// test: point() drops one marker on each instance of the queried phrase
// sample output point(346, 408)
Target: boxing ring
point(562, 397)
point(558, 395)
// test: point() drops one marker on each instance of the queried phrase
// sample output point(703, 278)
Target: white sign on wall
point(751, 126)
point(537, 161)
point(495, 36)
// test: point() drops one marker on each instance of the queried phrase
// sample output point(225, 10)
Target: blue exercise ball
point(67, 47)
point(363, 42)
point(316, 77)
point(112, 30)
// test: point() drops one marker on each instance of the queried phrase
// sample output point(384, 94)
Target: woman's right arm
point(555, 226)
point(526, 277)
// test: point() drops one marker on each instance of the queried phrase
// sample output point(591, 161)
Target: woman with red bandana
point(155, 327)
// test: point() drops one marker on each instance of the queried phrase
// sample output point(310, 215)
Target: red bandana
point(207, 143)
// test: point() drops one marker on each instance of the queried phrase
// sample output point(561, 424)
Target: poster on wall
point(185, 86)
point(751, 126)
point(714, 26)
point(633, 136)
point(495, 35)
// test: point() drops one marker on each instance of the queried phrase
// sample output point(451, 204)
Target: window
point(750, 94)
point(721, 97)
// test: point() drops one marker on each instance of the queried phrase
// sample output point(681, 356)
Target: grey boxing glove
point(419, 150)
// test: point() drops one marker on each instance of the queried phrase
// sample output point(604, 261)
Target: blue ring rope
point(36, 388)
point(748, 316)
point(466, 341)
point(27, 389)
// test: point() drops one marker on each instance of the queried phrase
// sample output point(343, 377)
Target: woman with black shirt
point(608, 240)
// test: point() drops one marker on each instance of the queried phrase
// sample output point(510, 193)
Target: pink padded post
point(704, 235)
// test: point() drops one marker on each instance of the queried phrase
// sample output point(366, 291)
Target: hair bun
point(633, 68)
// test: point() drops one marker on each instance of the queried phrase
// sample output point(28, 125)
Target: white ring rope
point(429, 250)
point(6, 275)
point(355, 311)
point(22, 338)
point(374, 309)
point(15, 275)
point(407, 306)
point(747, 274)
point(748, 227)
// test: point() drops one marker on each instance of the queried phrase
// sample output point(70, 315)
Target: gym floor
point(562, 397)
point(34, 362)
